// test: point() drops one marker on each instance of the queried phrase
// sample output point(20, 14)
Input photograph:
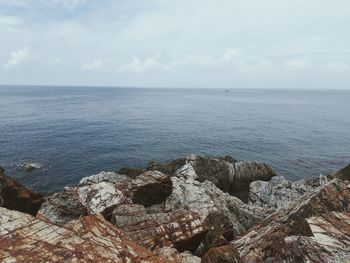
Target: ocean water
point(75, 132)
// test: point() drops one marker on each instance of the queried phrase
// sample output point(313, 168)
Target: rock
point(103, 197)
point(315, 228)
point(225, 172)
point(246, 173)
point(62, 208)
point(187, 172)
point(15, 196)
point(343, 174)
point(167, 168)
point(180, 229)
point(205, 198)
point(24, 238)
point(278, 192)
point(174, 255)
point(29, 167)
point(111, 177)
point(223, 254)
point(220, 233)
point(130, 172)
point(151, 188)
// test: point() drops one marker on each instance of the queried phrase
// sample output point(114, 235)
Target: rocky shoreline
point(193, 209)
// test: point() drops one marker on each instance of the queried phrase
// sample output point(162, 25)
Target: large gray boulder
point(277, 193)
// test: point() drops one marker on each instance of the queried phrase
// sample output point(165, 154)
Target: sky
point(182, 43)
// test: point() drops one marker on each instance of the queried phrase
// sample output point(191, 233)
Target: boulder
point(343, 174)
point(151, 188)
point(29, 167)
point(24, 238)
point(180, 229)
point(246, 173)
point(205, 198)
point(110, 177)
point(103, 197)
point(62, 208)
point(278, 192)
point(130, 172)
point(223, 254)
point(15, 196)
point(225, 172)
point(314, 228)
point(172, 254)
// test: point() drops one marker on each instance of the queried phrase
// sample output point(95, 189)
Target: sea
point(73, 132)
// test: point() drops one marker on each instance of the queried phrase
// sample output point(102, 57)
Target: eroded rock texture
point(225, 172)
point(15, 196)
point(151, 188)
point(278, 192)
point(24, 238)
point(343, 174)
point(315, 228)
point(61, 208)
point(180, 229)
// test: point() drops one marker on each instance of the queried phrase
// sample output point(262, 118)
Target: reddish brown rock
point(180, 229)
point(15, 196)
point(151, 188)
point(24, 238)
point(315, 228)
point(223, 254)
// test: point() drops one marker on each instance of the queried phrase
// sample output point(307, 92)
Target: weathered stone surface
point(343, 174)
point(225, 172)
point(61, 208)
point(15, 196)
point(320, 220)
point(111, 177)
point(277, 193)
point(102, 197)
point(24, 238)
point(246, 173)
point(205, 198)
point(151, 188)
point(179, 229)
point(172, 254)
point(223, 254)
point(130, 172)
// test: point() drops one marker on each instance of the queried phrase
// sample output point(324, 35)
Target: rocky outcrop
point(29, 167)
point(110, 177)
point(24, 238)
point(225, 172)
point(277, 193)
point(15, 196)
point(343, 174)
point(223, 254)
point(62, 208)
point(179, 229)
point(181, 216)
point(151, 188)
point(315, 228)
point(130, 172)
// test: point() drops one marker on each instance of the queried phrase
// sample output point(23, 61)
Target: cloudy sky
point(181, 43)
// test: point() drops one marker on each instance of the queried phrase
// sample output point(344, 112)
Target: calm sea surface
point(76, 132)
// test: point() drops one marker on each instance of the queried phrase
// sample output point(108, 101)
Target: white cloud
point(139, 66)
point(69, 4)
point(92, 65)
point(9, 21)
point(18, 57)
point(299, 63)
